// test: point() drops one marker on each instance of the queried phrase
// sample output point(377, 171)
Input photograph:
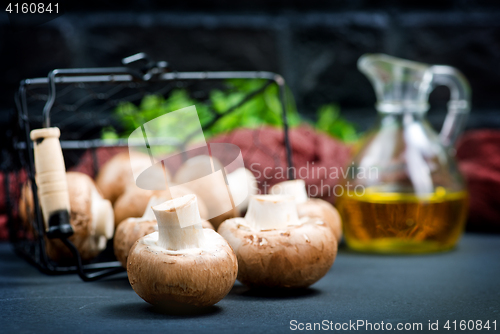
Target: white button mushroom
point(181, 265)
point(276, 248)
point(310, 207)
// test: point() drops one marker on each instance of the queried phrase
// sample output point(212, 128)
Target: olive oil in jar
point(403, 223)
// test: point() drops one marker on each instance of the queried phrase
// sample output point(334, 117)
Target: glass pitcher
point(404, 192)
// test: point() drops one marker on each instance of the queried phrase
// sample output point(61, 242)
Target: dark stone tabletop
point(463, 284)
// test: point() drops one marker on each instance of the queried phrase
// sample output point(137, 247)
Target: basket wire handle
point(132, 72)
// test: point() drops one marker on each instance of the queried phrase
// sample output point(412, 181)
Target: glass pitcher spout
point(404, 86)
point(400, 85)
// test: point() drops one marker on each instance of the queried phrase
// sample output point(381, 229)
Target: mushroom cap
point(80, 188)
point(79, 191)
point(131, 230)
point(195, 276)
point(294, 257)
point(127, 233)
point(134, 201)
point(116, 174)
point(318, 208)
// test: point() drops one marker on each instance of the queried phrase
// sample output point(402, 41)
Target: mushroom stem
point(103, 218)
point(179, 223)
point(294, 188)
point(269, 212)
point(153, 201)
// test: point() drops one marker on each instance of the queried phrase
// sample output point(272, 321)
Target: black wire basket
point(81, 103)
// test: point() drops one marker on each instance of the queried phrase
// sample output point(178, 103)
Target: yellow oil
point(403, 223)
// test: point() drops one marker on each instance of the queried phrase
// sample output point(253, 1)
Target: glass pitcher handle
point(459, 104)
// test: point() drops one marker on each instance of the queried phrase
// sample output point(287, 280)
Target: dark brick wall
point(314, 44)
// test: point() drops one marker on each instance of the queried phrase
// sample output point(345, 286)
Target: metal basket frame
point(34, 250)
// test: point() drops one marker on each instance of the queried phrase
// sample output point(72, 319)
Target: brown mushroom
point(132, 203)
point(182, 263)
point(132, 229)
point(127, 233)
point(277, 249)
point(310, 207)
point(117, 174)
point(91, 217)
